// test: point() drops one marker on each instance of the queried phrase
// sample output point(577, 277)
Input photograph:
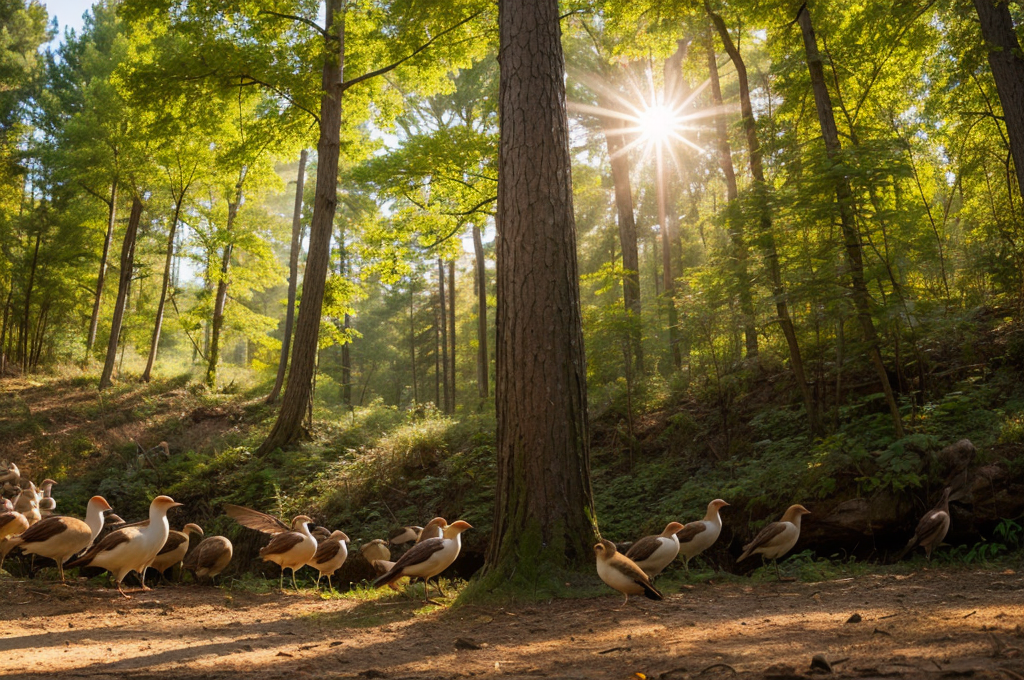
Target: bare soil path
point(937, 624)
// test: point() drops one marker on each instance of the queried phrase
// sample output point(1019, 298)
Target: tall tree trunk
point(766, 227)
point(482, 365)
point(844, 199)
point(544, 519)
point(169, 259)
point(451, 331)
point(412, 343)
point(614, 136)
point(4, 328)
point(288, 427)
point(444, 335)
point(24, 350)
point(124, 282)
point(1007, 64)
point(98, 299)
point(732, 208)
point(437, 356)
point(213, 358)
point(293, 280)
point(668, 281)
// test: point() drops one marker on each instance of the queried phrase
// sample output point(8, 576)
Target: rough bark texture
point(544, 512)
point(288, 427)
point(736, 235)
point(98, 299)
point(766, 235)
point(293, 281)
point(213, 358)
point(614, 135)
point(124, 282)
point(844, 199)
point(482, 364)
point(1007, 64)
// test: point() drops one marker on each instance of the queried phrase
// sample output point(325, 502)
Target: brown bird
point(931, 529)
point(375, 550)
point(47, 504)
point(321, 534)
point(210, 557)
point(329, 557)
point(696, 537)
point(654, 553)
point(434, 529)
point(60, 538)
point(405, 535)
point(622, 573)
point(289, 548)
point(778, 538)
point(427, 558)
point(174, 548)
point(12, 523)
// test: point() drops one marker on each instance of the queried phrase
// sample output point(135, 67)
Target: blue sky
point(68, 13)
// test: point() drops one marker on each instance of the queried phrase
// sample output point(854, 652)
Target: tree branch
point(279, 92)
point(391, 67)
point(312, 24)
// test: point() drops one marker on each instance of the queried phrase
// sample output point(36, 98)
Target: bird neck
point(158, 520)
point(94, 518)
point(796, 521)
point(304, 530)
point(712, 516)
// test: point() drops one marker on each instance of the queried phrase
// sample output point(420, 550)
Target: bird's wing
point(141, 524)
point(644, 548)
point(9, 517)
point(205, 555)
point(691, 531)
point(108, 542)
point(282, 543)
point(254, 519)
point(43, 530)
point(174, 539)
point(420, 552)
point(325, 552)
point(629, 569)
point(764, 536)
point(400, 533)
point(929, 525)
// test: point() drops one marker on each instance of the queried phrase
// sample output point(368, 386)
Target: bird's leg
point(142, 579)
point(626, 601)
point(686, 565)
point(280, 583)
point(294, 584)
point(329, 584)
point(123, 594)
point(437, 581)
point(60, 568)
point(777, 572)
point(318, 577)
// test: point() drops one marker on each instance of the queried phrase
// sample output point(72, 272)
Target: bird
point(131, 548)
point(622, 573)
point(405, 535)
point(434, 529)
point(12, 523)
point(375, 550)
point(6, 505)
point(47, 504)
point(174, 548)
point(290, 548)
point(696, 537)
point(329, 556)
point(778, 538)
point(321, 534)
point(28, 498)
point(60, 538)
point(427, 558)
point(654, 553)
point(931, 529)
point(210, 557)
point(11, 476)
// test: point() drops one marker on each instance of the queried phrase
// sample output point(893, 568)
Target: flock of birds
point(29, 521)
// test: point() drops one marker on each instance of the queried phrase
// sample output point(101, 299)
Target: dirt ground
point(940, 624)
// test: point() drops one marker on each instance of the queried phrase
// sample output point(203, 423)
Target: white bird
point(132, 548)
point(60, 538)
point(329, 557)
point(174, 548)
point(28, 498)
point(778, 538)
point(427, 558)
point(654, 553)
point(621, 573)
point(47, 504)
point(375, 550)
point(696, 537)
point(289, 548)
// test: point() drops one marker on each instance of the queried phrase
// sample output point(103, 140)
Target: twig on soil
point(717, 665)
point(888, 616)
point(971, 614)
point(616, 649)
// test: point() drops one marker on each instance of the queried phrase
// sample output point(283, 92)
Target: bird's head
point(794, 512)
point(605, 549)
point(192, 529)
point(47, 483)
point(456, 528)
point(436, 522)
point(114, 520)
point(671, 528)
point(717, 504)
point(301, 521)
point(340, 536)
point(165, 503)
point(100, 503)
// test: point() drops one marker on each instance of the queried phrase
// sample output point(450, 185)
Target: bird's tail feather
point(386, 578)
point(652, 593)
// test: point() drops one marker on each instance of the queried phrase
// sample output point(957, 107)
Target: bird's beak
point(175, 505)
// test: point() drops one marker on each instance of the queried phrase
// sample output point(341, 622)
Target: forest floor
point(935, 623)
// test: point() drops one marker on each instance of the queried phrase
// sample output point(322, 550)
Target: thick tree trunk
point(213, 358)
point(844, 199)
point(98, 299)
point(544, 519)
point(1007, 64)
point(732, 209)
point(293, 280)
point(24, 351)
point(168, 260)
point(614, 136)
point(124, 282)
point(451, 331)
point(3, 329)
point(288, 428)
point(766, 228)
point(444, 335)
point(482, 365)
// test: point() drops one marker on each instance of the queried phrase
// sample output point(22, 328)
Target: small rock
point(466, 643)
point(820, 664)
point(856, 618)
point(336, 643)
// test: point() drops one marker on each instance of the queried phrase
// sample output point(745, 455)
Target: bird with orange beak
point(654, 553)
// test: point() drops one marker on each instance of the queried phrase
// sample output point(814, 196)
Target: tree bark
point(544, 518)
point(733, 218)
point(213, 358)
point(288, 427)
point(451, 331)
point(98, 299)
point(444, 335)
point(293, 280)
point(124, 282)
point(482, 365)
point(1007, 64)
point(412, 342)
point(614, 136)
point(844, 199)
point(25, 347)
